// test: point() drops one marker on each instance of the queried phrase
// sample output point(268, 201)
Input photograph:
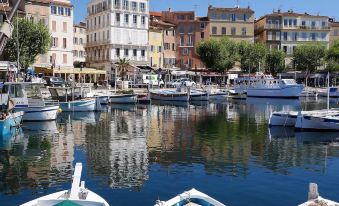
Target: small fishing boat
point(315, 200)
point(306, 93)
point(28, 98)
point(103, 99)
point(73, 99)
point(321, 121)
point(144, 98)
point(9, 120)
point(197, 95)
point(192, 197)
point(218, 95)
point(333, 92)
point(123, 98)
point(170, 95)
point(77, 195)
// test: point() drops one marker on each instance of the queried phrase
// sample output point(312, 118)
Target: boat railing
point(50, 102)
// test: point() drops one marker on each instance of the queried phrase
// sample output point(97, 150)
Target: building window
point(64, 25)
point(152, 48)
point(173, 47)
point(303, 23)
point(214, 30)
point(142, 7)
point(285, 36)
point(143, 53)
point(134, 19)
point(277, 36)
point(285, 22)
point(182, 40)
point(223, 16)
point(125, 4)
point(269, 35)
point(314, 36)
point(61, 11)
point(134, 6)
point(336, 32)
point(233, 31)
point(295, 22)
point(54, 26)
point(223, 30)
point(108, 37)
point(54, 42)
point(296, 36)
point(134, 52)
point(117, 52)
point(184, 51)
point(290, 22)
point(190, 28)
point(64, 58)
point(126, 52)
point(126, 18)
point(323, 36)
point(64, 43)
point(233, 17)
point(202, 35)
point(53, 10)
point(190, 41)
point(159, 49)
point(245, 17)
point(68, 11)
point(313, 24)
point(75, 40)
point(117, 17)
point(213, 15)
point(243, 31)
point(202, 25)
point(143, 20)
point(95, 36)
point(181, 29)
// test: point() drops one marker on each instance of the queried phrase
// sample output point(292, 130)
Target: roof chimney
point(279, 11)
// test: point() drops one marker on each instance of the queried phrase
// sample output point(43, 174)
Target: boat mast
point(328, 92)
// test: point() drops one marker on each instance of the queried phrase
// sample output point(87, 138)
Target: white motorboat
point(77, 195)
point(266, 86)
point(192, 197)
point(289, 118)
point(306, 93)
point(314, 199)
point(28, 98)
point(196, 95)
point(217, 94)
point(123, 98)
point(72, 99)
point(333, 92)
point(321, 121)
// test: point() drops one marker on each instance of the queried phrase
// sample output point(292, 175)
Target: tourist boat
point(170, 95)
point(191, 197)
point(72, 99)
point(196, 95)
point(77, 195)
point(314, 199)
point(262, 85)
point(9, 120)
point(28, 98)
point(123, 98)
point(289, 118)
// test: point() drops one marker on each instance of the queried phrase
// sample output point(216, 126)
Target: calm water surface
point(134, 155)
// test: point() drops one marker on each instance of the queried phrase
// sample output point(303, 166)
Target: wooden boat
point(315, 200)
point(73, 99)
point(77, 195)
point(144, 98)
point(170, 95)
point(28, 98)
point(196, 95)
point(123, 98)
point(192, 197)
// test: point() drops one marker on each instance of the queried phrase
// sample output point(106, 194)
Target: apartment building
point(286, 30)
point(236, 23)
point(334, 34)
point(117, 29)
point(190, 30)
point(57, 15)
point(79, 42)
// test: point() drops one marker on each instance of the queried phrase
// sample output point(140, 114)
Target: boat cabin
point(66, 94)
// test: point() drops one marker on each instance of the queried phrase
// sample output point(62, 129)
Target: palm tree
point(122, 66)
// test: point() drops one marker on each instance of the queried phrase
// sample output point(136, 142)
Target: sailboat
point(77, 195)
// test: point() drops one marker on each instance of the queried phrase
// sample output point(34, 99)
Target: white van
point(152, 79)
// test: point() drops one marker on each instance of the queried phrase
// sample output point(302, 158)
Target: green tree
point(218, 54)
point(251, 55)
point(332, 58)
point(307, 57)
point(122, 66)
point(33, 40)
point(275, 61)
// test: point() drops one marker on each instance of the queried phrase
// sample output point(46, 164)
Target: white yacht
point(28, 99)
point(263, 85)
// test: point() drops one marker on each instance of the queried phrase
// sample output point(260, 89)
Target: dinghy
point(199, 95)
point(77, 195)
point(190, 198)
point(315, 200)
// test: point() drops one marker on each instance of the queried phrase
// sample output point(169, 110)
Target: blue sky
point(323, 7)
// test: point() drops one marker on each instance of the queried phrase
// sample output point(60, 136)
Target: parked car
point(183, 81)
point(152, 80)
point(54, 81)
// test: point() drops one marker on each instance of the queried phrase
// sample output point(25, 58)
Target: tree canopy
point(33, 40)
point(251, 55)
point(275, 61)
point(332, 58)
point(307, 57)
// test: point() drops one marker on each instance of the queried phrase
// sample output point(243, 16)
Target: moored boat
point(77, 195)
point(331, 92)
point(170, 95)
point(191, 197)
point(314, 199)
point(9, 120)
point(196, 95)
point(123, 98)
point(144, 98)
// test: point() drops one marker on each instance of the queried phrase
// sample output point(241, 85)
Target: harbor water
point(137, 154)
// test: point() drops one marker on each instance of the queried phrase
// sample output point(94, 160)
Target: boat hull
point(180, 97)
point(103, 99)
point(218, 96)
point(199, 97)
point(39, 113)
point(13, 120)
point(316, 123)
point(121, 99)
point(286, 119)
point(79, 106)
point(292, 91)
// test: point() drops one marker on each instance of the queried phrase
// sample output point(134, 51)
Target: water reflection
point(132, 146)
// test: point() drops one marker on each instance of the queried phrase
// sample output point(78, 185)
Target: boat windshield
point(289, 81)
point(33, 91)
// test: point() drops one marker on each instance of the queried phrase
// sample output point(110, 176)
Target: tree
point(275, 61)
point(34, 39)
point(122, 66)
point(307, 57)
point(217, 54)
point(251, 56)
point(332, 58)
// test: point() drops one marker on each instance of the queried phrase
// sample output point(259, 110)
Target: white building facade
point(302, 28)
point(117, 29)
point(57, 15)
point(79, 42)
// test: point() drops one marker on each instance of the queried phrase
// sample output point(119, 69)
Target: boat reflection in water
point(170, 103)
point(46, 127)
point(14, 137)
point(281, 132)
point(86, 117)
point(317, 137)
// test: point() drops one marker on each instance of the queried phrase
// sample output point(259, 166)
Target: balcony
point(117, 6)
point(273, 26)
point(314, 27)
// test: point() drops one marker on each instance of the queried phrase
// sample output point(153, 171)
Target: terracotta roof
point(160, 23)
point(334, 24)
point(235, 9)
point(154, 13)
point(55, 2)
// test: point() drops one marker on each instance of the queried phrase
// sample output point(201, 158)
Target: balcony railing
point(273, 26)
point(315, 27)
point(117, 6)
